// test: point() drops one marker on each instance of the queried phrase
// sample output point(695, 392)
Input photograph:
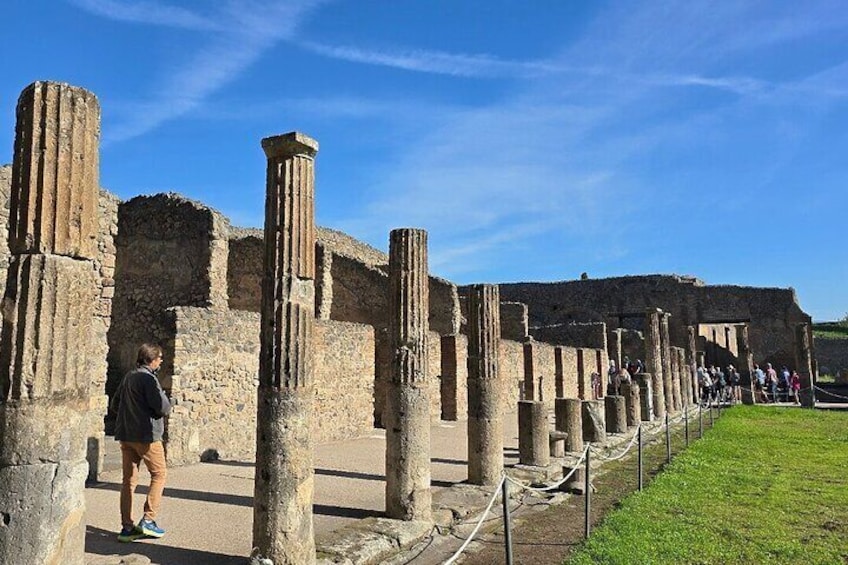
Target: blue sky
point(534, 140)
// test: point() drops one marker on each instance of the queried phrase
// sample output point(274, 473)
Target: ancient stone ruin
point(279, 339)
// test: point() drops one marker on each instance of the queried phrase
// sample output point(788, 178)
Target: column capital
point(290, 144)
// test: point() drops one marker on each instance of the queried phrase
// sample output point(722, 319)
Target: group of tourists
point(724, 385)
point(717, 384)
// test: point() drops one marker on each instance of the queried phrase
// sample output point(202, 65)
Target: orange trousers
point(153, 455)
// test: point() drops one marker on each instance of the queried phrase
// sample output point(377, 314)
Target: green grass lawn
point(766, 485)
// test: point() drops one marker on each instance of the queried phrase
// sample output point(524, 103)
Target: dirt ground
point(550, 536)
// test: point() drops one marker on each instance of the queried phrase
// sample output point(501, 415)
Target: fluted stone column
point(632, 400)
point(653, 360)
point(616, 414)
point(533, 437)
point(692, 359)
point(594, 422)
point(804, 362)
point(745, 364)
point(667, 375)
point(408, 495)
point(568, 418)
point(47, 333)
point(684, 377)
point(485, 416)
point(676, 388)
point(284, 478)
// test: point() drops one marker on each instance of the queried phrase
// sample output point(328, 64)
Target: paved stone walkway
point(207, 509)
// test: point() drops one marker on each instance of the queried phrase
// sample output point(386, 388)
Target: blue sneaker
point(130, 533)
point(150, 529)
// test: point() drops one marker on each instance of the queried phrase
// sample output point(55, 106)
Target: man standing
point(141, 405)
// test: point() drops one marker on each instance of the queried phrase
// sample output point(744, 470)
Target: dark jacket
point(141, 405)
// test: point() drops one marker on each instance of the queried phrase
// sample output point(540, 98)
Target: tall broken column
point(653, 360)
point(692, 361)
point(485, 416)
point(671, 400)
point(284, 478)
point(584, 389)
point(559, 374)
point(408, 495)
point(47, 336)
point(745, 364)
point(804, 363)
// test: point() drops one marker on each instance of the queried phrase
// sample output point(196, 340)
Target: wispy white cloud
point(239, 32)
point(148, 12)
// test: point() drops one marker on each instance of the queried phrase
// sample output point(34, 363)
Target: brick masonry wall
point(244, 270)
point(591, 334)
point(216, 360)
point(511, 360)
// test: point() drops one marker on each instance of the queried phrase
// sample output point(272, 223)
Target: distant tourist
point(795, 385)
point(613, 379)
point(771, 381)
point(141, 405)
point(759, 383)
point(786, 383)
point(735, 384)
point(595, 379)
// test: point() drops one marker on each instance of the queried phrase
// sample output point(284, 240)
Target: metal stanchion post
point(667, 440)
point(686, 419)
point(639, 465)
point(700, 421)
point(588, 495)
point(712, 417)
point(507, 534)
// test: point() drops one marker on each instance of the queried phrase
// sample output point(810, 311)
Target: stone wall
point(244, 269)
point(832, 355)
point(718, 342)
point(771, 312)
point(511, 366)
point(514, 321)
point(105, 265)
point(216, 357)
point(170, 251)
point(587, 334)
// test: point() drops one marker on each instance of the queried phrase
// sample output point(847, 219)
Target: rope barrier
point(557, 484)
point(626, 449)
point(827, 392)
point(459, 551)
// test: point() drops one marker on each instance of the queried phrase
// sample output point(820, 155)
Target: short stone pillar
point(653, 360)
point(646, 390)
point(284, 478)
point(47, 334)
point(616, 414)
point(676, 389)
point(485, 417)
point(408, 495)
point(533, 437)
point(594, 422)
point(632, 402)
point(568, 418)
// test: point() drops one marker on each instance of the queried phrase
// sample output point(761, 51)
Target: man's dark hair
point(147, 353)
